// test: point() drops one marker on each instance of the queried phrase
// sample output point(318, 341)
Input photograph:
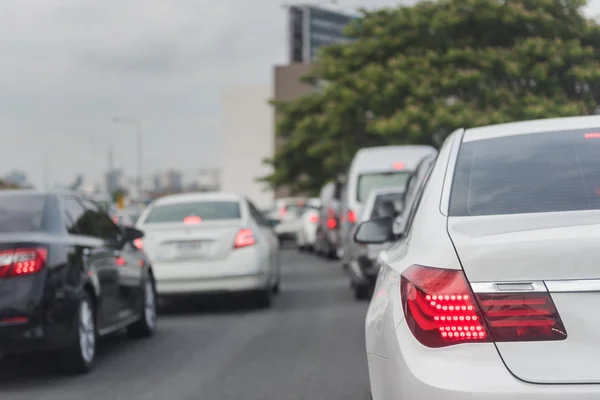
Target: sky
point(68, 67)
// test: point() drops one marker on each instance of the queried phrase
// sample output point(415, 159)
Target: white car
point(493, 292)
point(309, 222)
point(216, 242)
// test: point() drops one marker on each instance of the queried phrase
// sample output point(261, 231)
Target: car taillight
point(440, 311)
point(244, 238)
point(282, 212)
point(22, 261)
point(331, 221)
point(138, 243)
point(351, 216)
point(314, 218)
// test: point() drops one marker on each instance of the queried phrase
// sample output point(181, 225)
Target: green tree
point(412, 75)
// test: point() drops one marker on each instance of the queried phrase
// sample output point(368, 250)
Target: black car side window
point(256, 214)
point(103, 224)
point(77, 220)
point(419, 195)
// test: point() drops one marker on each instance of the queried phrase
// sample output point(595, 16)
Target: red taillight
point(594, 135)
point(397, 166)
point(20, 262)
point(191, 220)
point(282, 212)
point(521, 317)
point(115, 220)
point(331, 221)
point(351, 217)
point(314, 218)
point(138, 243)
point(120, 261)
point(244, 238)
point(440, 311)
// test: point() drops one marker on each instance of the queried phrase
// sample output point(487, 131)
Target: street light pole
point(139, 135)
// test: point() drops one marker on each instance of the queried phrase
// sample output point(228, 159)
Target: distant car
point(309, 222)
point(363, 266)
point(375, 168)
point(328, 229)
point(69, 275)
point(210, 243)
point(287, 211)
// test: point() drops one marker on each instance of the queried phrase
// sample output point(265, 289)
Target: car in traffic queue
point(287, 213)
point(210, 243)
point(309, 222)
point(363, 266)
point(374, 168)
point(127, 216)
point(68, 275)
point(328, 228)
point(492, 290)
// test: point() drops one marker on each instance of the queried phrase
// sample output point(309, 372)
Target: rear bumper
point(462, 372)
point(36, 335)
point(242, 270)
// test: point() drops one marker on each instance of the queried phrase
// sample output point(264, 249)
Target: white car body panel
point(555, 250)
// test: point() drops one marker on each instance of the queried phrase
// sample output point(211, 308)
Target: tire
point(277, 287)
point(81, 356)
point(146, 325)
point(362, 291)
point(301, 249)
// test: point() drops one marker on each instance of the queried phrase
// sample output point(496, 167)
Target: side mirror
point(375, 231)
point(399, 227)
point(129, 234)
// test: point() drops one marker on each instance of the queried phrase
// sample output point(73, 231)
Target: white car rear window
point(206, 210)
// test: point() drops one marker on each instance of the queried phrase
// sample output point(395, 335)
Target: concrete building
point(248, 138)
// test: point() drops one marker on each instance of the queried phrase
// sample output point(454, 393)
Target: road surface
point(310, 345)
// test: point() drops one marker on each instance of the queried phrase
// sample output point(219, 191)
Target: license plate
point(186, 249)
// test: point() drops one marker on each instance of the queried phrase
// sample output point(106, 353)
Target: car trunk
point(177, 242)
point(556, 248)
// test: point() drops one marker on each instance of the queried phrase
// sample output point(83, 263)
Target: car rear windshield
point(380, 180)
point(206, 210)
point(532, 173)
point(22, 213)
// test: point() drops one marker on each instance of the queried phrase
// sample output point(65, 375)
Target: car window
point(417, 199)
point(22, 213)
point(206, 210)
point(531, 173)
point(103, 224)
point(380, 180)
point(77, 222)
point(396, 198)
point(257, 215)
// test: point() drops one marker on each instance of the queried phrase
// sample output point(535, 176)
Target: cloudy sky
point(67, 67)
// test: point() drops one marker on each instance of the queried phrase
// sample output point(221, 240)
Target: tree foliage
point(412, 75)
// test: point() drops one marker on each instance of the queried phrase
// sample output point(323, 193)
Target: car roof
point(532, 126)
point(192, 197)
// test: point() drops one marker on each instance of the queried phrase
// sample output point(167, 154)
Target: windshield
point(533, 173)
point(206, 210)
point(380, 180)
point(21, 213)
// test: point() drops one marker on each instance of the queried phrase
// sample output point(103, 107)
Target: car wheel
point(361, 291)
point(146, 325)
point(81, 356)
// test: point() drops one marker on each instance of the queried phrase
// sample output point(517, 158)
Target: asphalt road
point(310, 345)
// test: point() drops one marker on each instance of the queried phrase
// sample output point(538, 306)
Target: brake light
point(22, 261)
point(138, 243)
point(244, 238)
point(314, 218)
point(397, 166)
point(441, 311)
point(594, 135)
point(115, 220)
point(192, 220)
point(351, 216)
point(331, 222)
point(282, 212)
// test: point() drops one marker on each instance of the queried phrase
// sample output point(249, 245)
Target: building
point(16, 178)
point(248, 138)
point(173, 181)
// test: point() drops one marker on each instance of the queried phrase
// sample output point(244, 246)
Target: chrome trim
point(449, 173)
point(508, 287)
point(582, 285)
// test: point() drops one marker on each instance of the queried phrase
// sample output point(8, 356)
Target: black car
point(69, 275)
